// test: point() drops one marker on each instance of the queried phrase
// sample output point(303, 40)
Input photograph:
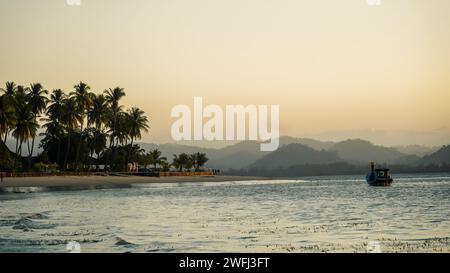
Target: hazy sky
point(330, 64)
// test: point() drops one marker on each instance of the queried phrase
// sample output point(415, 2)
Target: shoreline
point(112, 181)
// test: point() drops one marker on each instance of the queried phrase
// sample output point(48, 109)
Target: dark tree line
point(77, 125)
point(81, 129)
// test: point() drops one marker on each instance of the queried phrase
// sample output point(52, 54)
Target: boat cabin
point(383, 173)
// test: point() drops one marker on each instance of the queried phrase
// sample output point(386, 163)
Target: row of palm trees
point(77, 125)
point(187, 162)
point(181, 162)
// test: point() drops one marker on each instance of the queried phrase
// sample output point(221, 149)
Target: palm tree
point(182, 161)
point(177, 163)
point(98, 113)
point(21, 111)
point(136, 152)
point(67, 116)
point(70, 118)
point(37, 102)
point(83, 99)
point(9, 91)
point(113, 97)
point(156, 158)
point(165, 166)
point(54, 113)
point(7, 115)
point(98, 116)
point(199, 160)
point(99, 143)
point(25, 129)
point(122, 133)
point(136, 122)
point(20, 97)
point(189, 163)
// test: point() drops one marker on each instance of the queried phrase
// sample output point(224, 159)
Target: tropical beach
point(220, 127)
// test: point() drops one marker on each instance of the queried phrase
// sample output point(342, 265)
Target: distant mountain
point(312, 143)
point(418, 150)
point(237, 160)
point(408, 160)
point(389, 138)
point(295, 154)
point(243, 154)
point(438, 157)
point(298, 151)
point(358, 151)
point(237, 156)
point(11, 144)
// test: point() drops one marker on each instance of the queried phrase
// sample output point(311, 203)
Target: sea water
point(314, 214)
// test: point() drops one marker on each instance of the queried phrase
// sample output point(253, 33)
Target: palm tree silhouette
point(7, 111)
point(54, 120)
point(199, 160)
point(113, 97)
point(136, 122)
point(70, 118)
point(37, 101)
point(25, 129)
point(65, 118)
point(182, 161)
point(98, 116)
point(83, 99)
point(7, 118)
point(156, 158)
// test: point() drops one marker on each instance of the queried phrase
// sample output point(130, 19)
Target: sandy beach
point(113, 181)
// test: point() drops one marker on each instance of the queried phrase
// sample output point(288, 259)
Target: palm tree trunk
point(86, 159)
point(107, 155)
point(111, 143)
point(95, 144)
point(79, 144)
point(58, 156)
point(30, 153)
point(128, 154)
point(92, 157)
point(67, 151)
point(97, 165)
point(6, 135)
point(30, 156)
point(17, 151)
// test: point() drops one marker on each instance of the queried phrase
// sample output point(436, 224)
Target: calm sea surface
point(316, 214)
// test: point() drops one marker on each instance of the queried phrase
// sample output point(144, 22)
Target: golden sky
point(330, 64)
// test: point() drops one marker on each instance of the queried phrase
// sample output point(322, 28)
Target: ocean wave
point(122, 242)
point(32, 222)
